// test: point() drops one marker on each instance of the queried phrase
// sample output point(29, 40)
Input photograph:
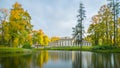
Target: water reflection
point(61, 59)
point(39, 59)
point(15, 61)
point(96, 60)
point(105, 60)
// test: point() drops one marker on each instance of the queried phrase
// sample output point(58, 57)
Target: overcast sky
point(56, 17)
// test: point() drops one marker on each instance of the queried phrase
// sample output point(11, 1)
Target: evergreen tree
point(78, 30)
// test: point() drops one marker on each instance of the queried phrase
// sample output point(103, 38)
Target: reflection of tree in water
point(96, 60)
point(61, 55)
point(25, 61)
point(53, 55)
point(15, 62)
point(77, 62)
point(105, 60)
point(40, 58)
point(79, 59)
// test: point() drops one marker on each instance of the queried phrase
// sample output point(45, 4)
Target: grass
point(14, 50)
point(116, 50)
point(108, 49)
point(68, 48)
point(9, 50)
point(60, 48)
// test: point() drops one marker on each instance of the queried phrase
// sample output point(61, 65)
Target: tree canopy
point(17, 29)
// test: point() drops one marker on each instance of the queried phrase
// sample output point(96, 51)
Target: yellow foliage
point(53, 39)
point(45, 40)
point(29, 38)
point(40, 37)
point(15, 42)
point(19, 25)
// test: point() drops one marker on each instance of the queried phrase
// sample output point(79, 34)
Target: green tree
point(78, 30)
point(46, 40)
point(3, 17)
point(101, 29)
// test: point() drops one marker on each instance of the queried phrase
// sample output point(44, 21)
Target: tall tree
point(114, 5)
point(101, 29)
point(19, 25)
point(105, 15)
point(3, 16)
point(78, 30)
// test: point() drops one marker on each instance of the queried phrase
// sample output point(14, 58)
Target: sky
point(56, 17)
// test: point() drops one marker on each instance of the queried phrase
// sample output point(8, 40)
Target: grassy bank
point(86, 48)
point(14, 50)
point(66, 48)
point(6, 50)
point(117, 50)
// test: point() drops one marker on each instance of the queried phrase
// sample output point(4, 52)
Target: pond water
point(61, 59)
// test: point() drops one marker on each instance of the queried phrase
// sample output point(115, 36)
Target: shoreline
point(115, 50)
point(6, 50)
point(9, 50)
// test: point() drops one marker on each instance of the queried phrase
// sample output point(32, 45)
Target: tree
point(34, 36)
point(19, 25)
point(105, 16)
point(39, 38)
point(114, 5)
point(54, 38)
point(78, 30)
point(3, 16)
point(17, 30)
point(101, 29)
point(46, 40)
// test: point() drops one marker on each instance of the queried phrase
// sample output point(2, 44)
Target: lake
point(60, 59)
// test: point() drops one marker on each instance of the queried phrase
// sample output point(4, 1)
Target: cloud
point(56, 17)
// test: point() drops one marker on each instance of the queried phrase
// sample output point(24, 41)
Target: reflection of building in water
point(82, 59)
point(61, 55)
point(39, 59)
point(78, 59)
point(105, 60)
point(73, 55)
point(53, 55)
point(67, 41)
point(95, 60)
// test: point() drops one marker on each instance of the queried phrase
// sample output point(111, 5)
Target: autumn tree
point(46, 40)
point(54, 38)
point(17, 29)
point(107, 24)
point(101, 30)
point(34, 37)
point(3, 17)
point(115, 5)
point(39, 38)
point(19, 25)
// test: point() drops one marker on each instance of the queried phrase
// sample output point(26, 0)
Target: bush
point(27, 46)
point(103, 47)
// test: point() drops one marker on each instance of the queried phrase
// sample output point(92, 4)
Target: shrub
point(27, 46)
point(104, 47)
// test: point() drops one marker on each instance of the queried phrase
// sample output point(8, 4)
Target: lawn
point(84, 48)
point(13, 50)
point(65, 48)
